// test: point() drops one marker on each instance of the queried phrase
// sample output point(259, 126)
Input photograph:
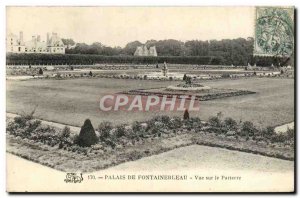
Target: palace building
point(144, 51)
point(53, 44)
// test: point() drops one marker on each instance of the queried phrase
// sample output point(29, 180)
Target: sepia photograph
point(150, 99)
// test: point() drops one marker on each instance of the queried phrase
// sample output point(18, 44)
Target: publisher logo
point(73, 178)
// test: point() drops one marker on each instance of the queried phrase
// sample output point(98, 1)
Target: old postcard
point(150, 99)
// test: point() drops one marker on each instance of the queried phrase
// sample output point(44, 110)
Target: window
point(19, 49)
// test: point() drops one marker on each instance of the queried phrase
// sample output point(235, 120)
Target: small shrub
point(290, 134)
point(32, 125)
point(75, 139)
point(248, 129)
point(230, 124)
point(175, 123)
point(138, 129)
point(215, 121)
point(268, 132)
point(120, 131)
point(64, 137)
point(280, 138)
point(104, 128)
point(136, 126)
point(110, 143)
point(196, 122)
point(134, 155)
point(65, 133)
point(41, 71)
point(155, 126)
point(61, 145)
point(165, 119)
point(12, 127)
point(225, 75)
point(22, 119)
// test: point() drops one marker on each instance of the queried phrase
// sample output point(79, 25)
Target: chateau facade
point(144, 51)
point(53, 44)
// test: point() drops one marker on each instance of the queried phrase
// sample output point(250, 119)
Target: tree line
point(90, 59)
point(221, 52)
point(237, 52)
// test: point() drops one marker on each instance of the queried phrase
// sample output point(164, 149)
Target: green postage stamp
point(274, 31)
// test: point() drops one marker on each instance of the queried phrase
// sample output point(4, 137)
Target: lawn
point(71, 101)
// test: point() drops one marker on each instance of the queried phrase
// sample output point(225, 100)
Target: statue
point(165, 70)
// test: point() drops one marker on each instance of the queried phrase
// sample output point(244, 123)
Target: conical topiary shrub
point(87, 135)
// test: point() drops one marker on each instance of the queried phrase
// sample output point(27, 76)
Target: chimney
point(38, 38)
point(21, 38)
point(48, 38)
point(34, 39)
point(54, 35)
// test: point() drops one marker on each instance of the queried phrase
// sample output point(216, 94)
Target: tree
point(186, 115)
point(68, 42)
point(130, 48)
point(87, 135)
point(169, 47)
point(41, 71)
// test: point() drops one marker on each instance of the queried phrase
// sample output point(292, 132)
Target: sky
point(116, 26)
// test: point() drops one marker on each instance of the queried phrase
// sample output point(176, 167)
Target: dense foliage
point(237, 52)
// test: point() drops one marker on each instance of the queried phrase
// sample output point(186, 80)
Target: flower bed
point(28, 138)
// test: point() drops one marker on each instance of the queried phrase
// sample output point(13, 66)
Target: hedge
point(86, 59)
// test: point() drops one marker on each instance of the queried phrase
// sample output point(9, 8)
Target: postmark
point(274, 31)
